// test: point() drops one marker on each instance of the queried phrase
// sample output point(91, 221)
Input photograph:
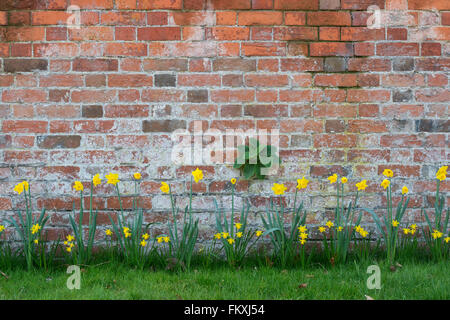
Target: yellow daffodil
point(19, 188)
point(217, 236)
point(333, 178)
point(36, 241)
point(145, 236)
point(395, 223)
point(442, 173)
point(329, 224)
point(69, 249)
point(2, 227)
point(137, 176)
point(225, 235)
point(159, 239)
point(25, 185)
point(339, 229)
point(197, 174)
point(239, 234)
point(437, 234)
point(303, 235)
point(358, 228)
point(344, 180)
point(143, 243)
point(362, 185)
point(388, 173)
point(113, 178)
point(127, 234)
point(70, 238)
point(441, 176)
point(278, 188)
point(164, 187)
point(259, 233)
point(406, 231)
point(96, 180)
point(385, 183)
point(238, 225)
point(302, 183)
point(363, 233)
point(230, 240)
point(322, 229)
point(108, 232)
point(413, 226)
point(78, 186)
point(302, 241)
point(447, 239)
point(166, 239)
point(233, 181)
point(302, 229)
point(405, 190)
point(35, 228)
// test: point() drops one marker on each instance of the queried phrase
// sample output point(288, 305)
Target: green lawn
point(414, 280)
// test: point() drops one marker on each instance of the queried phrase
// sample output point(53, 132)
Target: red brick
point(247, 18)
point(262, 4)
point(24, 126)
point(296, 5)
point(330, 49)
point(397, 49)
point(159, 33)
point(328, 18)
point(335, 80)
point(24, 95)
point(126, 49)
point(329, 33)
point(93, 4)
point(428, 5)
point(293, 18)
point(125, 18)
point(231, 4)
point(83, 64)
point(229, 33)
point(49, 17)
point(360, 95)
point(157, 18)
point(361, 34)
point(335, 140)
point(431, 49)
point(130, 80)
point(295, 33)
point(266, 80)
point(226, 18)
point(263, 49)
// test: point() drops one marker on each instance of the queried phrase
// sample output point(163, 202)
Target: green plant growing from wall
point(254, 157)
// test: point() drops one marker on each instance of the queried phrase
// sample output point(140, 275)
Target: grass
point(414, 280)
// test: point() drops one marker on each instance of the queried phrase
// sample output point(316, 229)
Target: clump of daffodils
point(302, 236)
point(361, 231)
point(126, 232)
point(437, 234)
point(410, 230)
point(69, 243)
point(163, 239)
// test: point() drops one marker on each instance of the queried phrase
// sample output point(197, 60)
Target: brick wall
point(106, 97)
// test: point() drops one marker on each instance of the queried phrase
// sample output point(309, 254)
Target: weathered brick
point(163, 125)
point(92, 111)
point(58, 142)
point(429, 125)
point(24, 65)
point(197, 96)
point(165, 80)
point(92, 65)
